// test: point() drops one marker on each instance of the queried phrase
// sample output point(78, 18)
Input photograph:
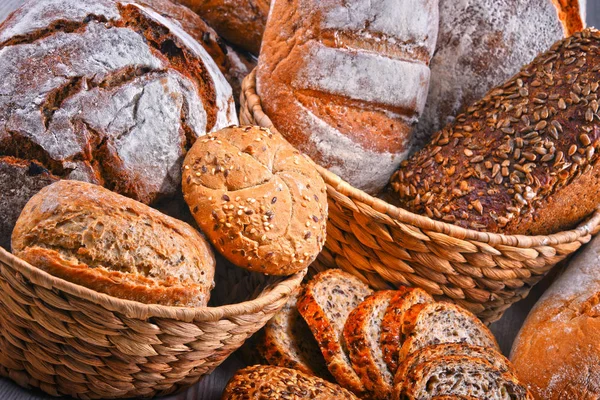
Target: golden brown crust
point(90, 236)
point(517, 159)
point(569, 13)
point(267, 382)
point(391, 325)
point(261, 203)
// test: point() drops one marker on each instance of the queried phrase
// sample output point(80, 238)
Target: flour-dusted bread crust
point(482, 43)
point(110, 92)
point(345, 81)
point(524, 159)
point(261, 203)
point(93, 237)
point(362, 333)
point(461, 376)
point(325, 304)
point(391, 325)
point(556, 352)
point(288, 342)
point(434, 323)
point(262, 382)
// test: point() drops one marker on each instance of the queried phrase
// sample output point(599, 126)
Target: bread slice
point(461, 376)
point(428, 324)
point(391, 325)
point(325, 304)
point(288, 342)
point(362, 334)
point(426, 354)
point(268, 382)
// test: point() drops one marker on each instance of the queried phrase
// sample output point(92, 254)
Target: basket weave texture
point(389, 247)
point(68, 340)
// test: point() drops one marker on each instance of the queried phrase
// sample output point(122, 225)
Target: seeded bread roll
point(524, 159)
point(434, 323)
point(261, 203)
point(393, 319)
point(95, 238)
point(325, 304)
point(288, 342)
point(345, 81)
point(262, 382)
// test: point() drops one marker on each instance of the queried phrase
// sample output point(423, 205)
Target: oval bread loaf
point(93, 237)
point(260, 202)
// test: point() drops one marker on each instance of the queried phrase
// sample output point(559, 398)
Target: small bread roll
point(260, 202)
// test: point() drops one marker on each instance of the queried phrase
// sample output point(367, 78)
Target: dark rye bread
point(288, 342)
point(262, 382)
point(523, 160)
point(435, 323)
point(362, 334)
point(460, 376)
point(19, 180)
point(109, 92)
point(391, 324)
point(325, 304)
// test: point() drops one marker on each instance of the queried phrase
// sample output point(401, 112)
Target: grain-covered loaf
point(523, 160)
point(345, 81)
point(261, 203)
point(93, 237)
point(110, 92)
point(556, 352)
point(262, 382)
point(482, 43)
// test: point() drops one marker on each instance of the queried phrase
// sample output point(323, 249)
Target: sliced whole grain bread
point(362, 334)
point(325, 304)
point(435, 323)
point(460, 376)
point(288, 342)
point(391, 325)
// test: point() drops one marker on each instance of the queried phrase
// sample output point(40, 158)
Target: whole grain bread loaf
point(345, 81)
point(261, 203)
point(262, 382)
point(523, 160)
point(482, 43)
point(93, 237)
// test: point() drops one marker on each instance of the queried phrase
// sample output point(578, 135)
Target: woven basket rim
point(395, 215)
point(137, 310)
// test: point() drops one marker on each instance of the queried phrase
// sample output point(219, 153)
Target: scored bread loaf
point(393, 319)
point(482, 43)
point(262, 382)
point(325, 304)
point(362, 333)
point(93, 237)
point(261, 203)
point(434, 323)
point(345, 81)
point(288, 342)
point(523, 160)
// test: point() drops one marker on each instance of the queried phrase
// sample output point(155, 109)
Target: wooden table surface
point(210, 387)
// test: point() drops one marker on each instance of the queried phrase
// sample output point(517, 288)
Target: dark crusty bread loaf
point(262, 204)
point(524, 159)
point(461, 376)
point(288, 342)
point(434, 323)
point(262, 382)
point(325, 304)
point(19, 180)
point(393, 319)
point(362, 334)
point(93, 237)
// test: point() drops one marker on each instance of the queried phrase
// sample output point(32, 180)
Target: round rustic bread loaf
point(109, 92)
point(260, 202)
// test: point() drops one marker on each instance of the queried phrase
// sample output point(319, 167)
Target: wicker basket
point(68, 340)
point(388, 246)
